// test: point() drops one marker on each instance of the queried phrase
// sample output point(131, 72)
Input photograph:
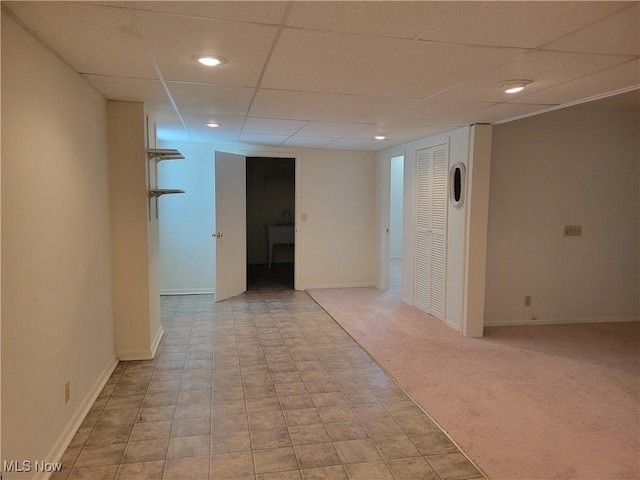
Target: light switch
point(303, 217)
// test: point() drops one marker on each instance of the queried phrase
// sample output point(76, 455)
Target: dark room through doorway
point(270, 223)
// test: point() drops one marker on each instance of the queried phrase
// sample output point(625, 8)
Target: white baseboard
point(559, 321)
point(132, 355)
point(452, 325)
point(60, 446)
point(187, 291)
point(338, 285)
point(156, 342)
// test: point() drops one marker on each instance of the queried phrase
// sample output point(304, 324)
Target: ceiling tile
point(426, 68)
point(261, 139)
point(211, 99)
point(270, 12)
point(175, 40)
point(431, 112)
point(289, 104)
point(167, 118)
point(613, 79)
point(388, 19)
point(210, 136)
point(150, 92)
point(272, 126)
point(353, 144)
point(228, 131)
point(328, 129)
point(498, 112)
point(410, 136)
point(392, 132)
point(227, 123)
point(324, 61)
point(362, 108)
point(383, 145)
point(443, 128)
point(517, 24)
point(544, 68)
point(307, 142)
point(617, 34)
point(94, 39)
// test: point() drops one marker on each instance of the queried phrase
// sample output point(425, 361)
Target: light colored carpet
point(539, 402)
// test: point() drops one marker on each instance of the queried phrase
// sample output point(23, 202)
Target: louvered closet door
point(423, 230)
point(431, 227)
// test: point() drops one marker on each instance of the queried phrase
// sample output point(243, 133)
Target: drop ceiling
point(322, 74)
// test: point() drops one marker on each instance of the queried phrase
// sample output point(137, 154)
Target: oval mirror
point(457, 185)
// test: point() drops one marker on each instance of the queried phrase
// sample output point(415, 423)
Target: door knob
point(217, 235)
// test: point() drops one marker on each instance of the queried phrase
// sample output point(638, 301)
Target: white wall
point(395, 210)
point(564, 168)
point(187, 221)
point(336, 189)
point(476, 231)
point(57, 317)
point(461, 150)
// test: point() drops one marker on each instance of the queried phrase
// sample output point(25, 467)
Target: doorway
point(270, 223)
point(396, 195)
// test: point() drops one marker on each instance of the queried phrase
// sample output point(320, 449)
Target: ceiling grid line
point(156, 67)
point(276, 39)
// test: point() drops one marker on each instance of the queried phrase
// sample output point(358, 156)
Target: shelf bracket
point(160, 154)
point(157, 192)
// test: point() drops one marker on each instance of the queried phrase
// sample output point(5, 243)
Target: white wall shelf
point(158, 155)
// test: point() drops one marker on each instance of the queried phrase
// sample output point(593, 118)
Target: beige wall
point(336, 189)
point(564, 168)
point(337, 244)
point(57, 318)
point(134, 233)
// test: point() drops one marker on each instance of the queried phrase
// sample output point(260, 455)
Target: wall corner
point(477, 227)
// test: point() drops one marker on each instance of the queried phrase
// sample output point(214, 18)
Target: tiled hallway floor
point(262, 386)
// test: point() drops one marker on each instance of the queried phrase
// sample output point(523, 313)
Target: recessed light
point(209, 60)
point(379, 137)
point(515, 86)
point(213, 125)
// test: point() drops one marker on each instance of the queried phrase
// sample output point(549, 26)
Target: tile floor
point(262, 386)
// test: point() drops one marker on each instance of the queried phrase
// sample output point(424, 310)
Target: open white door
point(231, 224)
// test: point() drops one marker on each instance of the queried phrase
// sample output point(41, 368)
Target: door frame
point(383, 199)
point(296, 215)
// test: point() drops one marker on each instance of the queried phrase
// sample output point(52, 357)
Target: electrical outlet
point(573, 230)
point(527, 300)
point(67, 391)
